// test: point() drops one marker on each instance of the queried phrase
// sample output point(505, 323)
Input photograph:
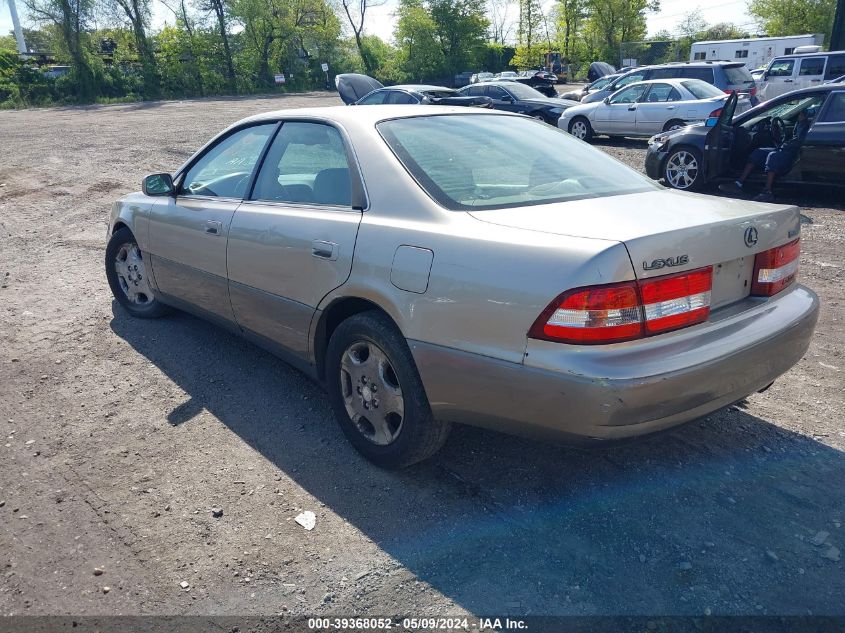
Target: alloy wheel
point(682, 169)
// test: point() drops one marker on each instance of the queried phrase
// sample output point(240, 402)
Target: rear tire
point(580, 128)
point(377, 394)
point(128, 277)
point(683, 169)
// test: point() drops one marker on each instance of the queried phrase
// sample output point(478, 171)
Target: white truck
point(754, 52)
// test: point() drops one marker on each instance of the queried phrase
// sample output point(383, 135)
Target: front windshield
point(702, 89)
point(521, 91)
point(598, 84)
point(786, 110)
point(476, 161)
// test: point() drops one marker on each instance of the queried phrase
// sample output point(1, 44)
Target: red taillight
point(715, 114)
point(600, 314)
point(676, 301)
point(621, 312)
point(775, 269)
point(753, 91)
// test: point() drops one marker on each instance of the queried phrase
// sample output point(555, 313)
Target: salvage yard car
point(645, 108)
point(511, 96)
point(437, 265)
point(692, 157)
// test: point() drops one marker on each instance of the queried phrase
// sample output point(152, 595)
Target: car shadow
point(719, 514)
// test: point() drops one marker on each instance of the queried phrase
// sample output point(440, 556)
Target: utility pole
point(16, 24)
point(837, 38)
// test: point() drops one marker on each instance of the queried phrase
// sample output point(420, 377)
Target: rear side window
point(662, 92)
point(781, 68)
point(835, 112)
point(705, 74)
point(835, 66)
point(399, 97)
point(702, 89)
point(664, 73)
point(306, 164)
point(811, 66)
point(738, 75)
point(374, 98)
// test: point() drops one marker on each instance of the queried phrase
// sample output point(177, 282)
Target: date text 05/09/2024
point(417, 624)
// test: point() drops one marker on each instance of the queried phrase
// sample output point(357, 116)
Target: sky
point(380, 20)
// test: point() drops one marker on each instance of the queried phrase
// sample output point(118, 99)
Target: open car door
point(719, 141)
point(352, 86)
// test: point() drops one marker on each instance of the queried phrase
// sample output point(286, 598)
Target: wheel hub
point(371, 392)
point(132, 274)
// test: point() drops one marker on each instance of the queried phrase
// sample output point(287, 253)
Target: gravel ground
point(118, 437)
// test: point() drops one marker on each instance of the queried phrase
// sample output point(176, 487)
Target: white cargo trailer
point(753, 51)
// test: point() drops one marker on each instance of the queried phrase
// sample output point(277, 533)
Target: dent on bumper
point(627, 389)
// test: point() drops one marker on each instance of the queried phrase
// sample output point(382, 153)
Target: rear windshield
point(702, 89)
point(476, 161)
point(738, 75)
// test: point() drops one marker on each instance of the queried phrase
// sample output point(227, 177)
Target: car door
point(292, 241)
point(823, 152)
point(810, 72)
point(778, 78)
point(618, 115)
point(502, 99)
point(657, 106)
point(719, 141)
point(188, 231)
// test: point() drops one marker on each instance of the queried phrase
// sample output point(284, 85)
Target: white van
point(791, 72)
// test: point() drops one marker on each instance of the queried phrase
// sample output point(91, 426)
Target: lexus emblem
point(750, 236)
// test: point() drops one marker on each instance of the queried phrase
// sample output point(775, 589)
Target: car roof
point(819, 54)
point(417, 87)
point(368, 115)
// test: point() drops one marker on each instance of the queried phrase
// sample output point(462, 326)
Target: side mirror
point(607, 100)
point(158, 185)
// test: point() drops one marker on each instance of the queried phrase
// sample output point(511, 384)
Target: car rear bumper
point(628, 389)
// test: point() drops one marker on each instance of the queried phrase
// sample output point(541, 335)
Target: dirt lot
point(118, 436)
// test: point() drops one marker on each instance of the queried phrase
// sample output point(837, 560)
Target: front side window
point(496, 93)
point(624, 81)
point(224, 171)
point(475, 161)
point(629, 95)
point(835, 112)
point(781, 68)
point(306, 164)
point(811, 66)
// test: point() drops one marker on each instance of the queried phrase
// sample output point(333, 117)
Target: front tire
point(683, 169)
point(128, 277)
point(580, 128)
point(377, 394)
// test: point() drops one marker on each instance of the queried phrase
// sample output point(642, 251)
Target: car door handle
point(670, 107)
point(632, 108)
point(214, 227)
point(787, 81)
point(324, 250)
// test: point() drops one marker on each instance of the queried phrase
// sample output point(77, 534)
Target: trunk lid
point(668, 232)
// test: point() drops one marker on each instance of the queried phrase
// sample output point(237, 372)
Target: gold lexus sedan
point(433, 265)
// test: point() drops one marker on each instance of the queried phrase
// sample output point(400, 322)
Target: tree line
point(213, 47)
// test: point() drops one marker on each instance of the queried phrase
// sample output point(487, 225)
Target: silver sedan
point(438, 265)
point(646, 108)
